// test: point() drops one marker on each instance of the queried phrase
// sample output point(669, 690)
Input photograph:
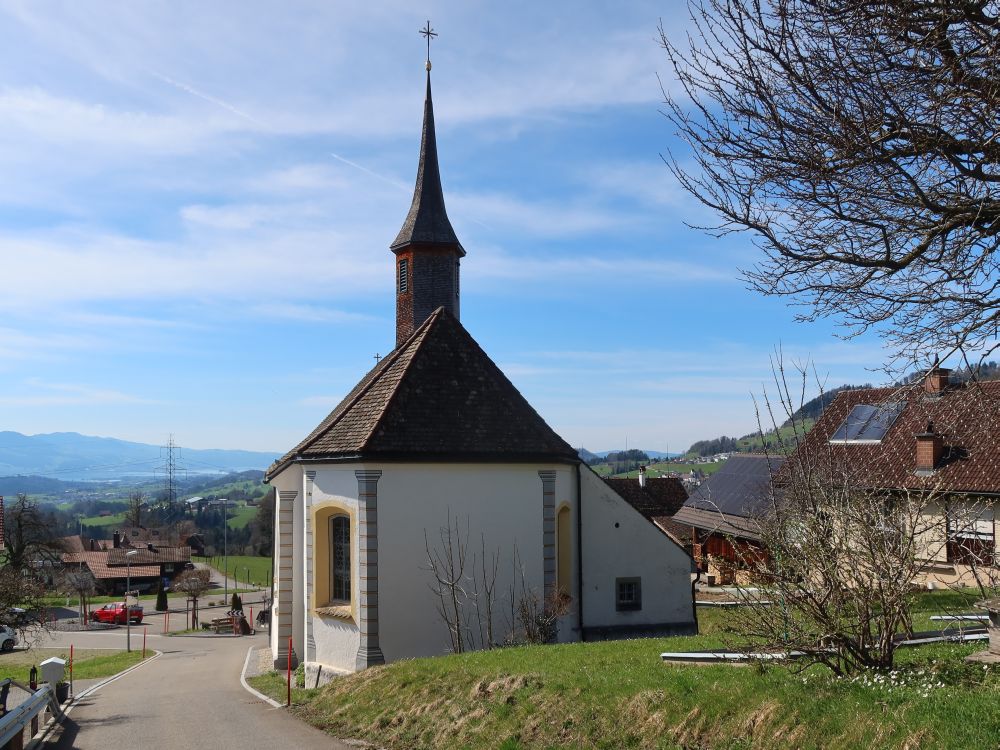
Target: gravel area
point(260, 662)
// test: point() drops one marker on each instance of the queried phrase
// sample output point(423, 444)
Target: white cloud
point(308, 313)
point(494, 264)
point(43, 393)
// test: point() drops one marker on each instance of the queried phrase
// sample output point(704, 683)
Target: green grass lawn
point(621, 695)
point(87, 663)
point(259, 568)
point(115, 519)
point(241, 517)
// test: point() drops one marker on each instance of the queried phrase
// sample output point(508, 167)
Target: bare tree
point(78, 581)
point(194, 583)
point(466, 595)
point(133, 514)
point(856, 139)
point(840, 552)
point(22, 602)
point(30, 542)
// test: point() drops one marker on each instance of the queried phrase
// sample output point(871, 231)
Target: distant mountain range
point(69, 455)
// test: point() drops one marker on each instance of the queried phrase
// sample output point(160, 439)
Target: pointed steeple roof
point(438, 397)
point(427, 222)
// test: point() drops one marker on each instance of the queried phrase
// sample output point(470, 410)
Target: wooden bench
point(220, 624)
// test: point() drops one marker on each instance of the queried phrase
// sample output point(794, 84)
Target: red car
point(115, 613)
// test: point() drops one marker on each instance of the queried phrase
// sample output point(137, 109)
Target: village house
point(435, 436)
point(933, 439)
point(107, 562)
point(720, 514)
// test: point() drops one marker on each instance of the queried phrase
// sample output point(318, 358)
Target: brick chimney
point(929, 448)
point(936, 380)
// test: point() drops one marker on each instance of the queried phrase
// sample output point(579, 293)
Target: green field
point(259, 568)
point(250, 488)
point(115, 519)
point(240, 518)
point(620, 694)
point(88, 664)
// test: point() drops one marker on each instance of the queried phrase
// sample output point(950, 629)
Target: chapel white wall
point(502, 502)
point(632, 548)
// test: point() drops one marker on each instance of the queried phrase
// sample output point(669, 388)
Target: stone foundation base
point(318, 674)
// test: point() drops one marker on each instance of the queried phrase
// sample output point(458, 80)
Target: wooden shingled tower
point(427, 249)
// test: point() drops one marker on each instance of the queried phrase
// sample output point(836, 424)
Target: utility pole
point(170, 470)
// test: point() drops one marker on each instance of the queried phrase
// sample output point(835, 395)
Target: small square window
point(628, 594)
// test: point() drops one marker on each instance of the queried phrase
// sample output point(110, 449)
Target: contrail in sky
point(201, 95)
point(376, 175)
point(240, 113)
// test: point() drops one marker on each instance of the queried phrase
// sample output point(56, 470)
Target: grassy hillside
point(621, 695)
point(241, 517)
point(774, 440)
point(259, 568)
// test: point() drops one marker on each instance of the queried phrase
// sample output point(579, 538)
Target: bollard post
point(289, 670)
point(143, 641)
point(71, 669)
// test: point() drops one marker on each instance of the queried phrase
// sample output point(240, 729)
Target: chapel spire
point(427, 249)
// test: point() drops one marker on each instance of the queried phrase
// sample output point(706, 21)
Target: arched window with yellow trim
point(564, 551)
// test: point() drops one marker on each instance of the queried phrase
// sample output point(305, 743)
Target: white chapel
point(435, 436)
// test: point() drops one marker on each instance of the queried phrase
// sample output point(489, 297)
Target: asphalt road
point(190, 697)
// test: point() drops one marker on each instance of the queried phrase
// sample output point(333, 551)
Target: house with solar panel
point(436, 437)
point(935, 437)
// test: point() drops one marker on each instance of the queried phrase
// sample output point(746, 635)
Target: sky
point(197, 199)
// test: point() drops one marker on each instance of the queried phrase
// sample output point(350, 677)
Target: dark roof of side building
point(658, 501)
point(739, 488)
point(439, 397)
point(965, 415)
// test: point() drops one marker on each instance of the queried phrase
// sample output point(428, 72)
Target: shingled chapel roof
point(437, 397)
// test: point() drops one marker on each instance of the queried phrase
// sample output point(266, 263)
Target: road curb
point(55, 721)
point(245, 684)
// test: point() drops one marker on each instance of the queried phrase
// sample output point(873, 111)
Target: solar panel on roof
point(867, 423)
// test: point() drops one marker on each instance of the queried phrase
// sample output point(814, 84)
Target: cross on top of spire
point(428, 33)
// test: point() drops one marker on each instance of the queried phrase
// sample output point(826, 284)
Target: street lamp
point(225, 549)
point(128, 585)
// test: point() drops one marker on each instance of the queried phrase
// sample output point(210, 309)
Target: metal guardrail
point(14, 721)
